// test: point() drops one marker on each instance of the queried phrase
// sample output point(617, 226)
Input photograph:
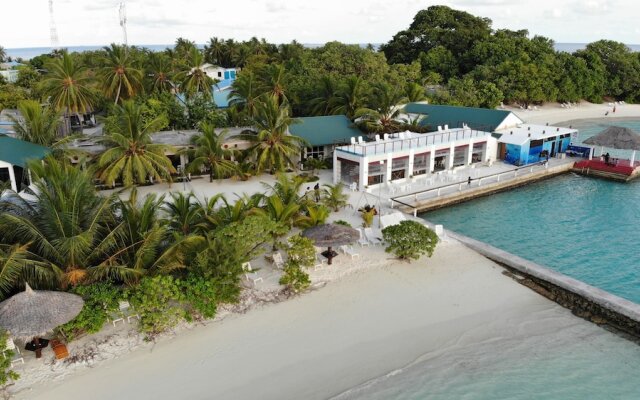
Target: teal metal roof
point(17, 152)
point(439, 115)
point(326, 130)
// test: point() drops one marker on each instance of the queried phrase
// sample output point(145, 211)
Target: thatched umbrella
point(617, 137)
point(331, 235)
point(31, 314)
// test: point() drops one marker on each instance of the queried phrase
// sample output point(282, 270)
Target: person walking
point(316, 190)
point(469, 181)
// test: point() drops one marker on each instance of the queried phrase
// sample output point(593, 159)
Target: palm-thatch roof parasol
point(331, 235)
point(616, 137)
point(33, 313)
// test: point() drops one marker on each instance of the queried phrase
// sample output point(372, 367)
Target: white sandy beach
point(379, 316)
point(317, 345)
point(553, 113)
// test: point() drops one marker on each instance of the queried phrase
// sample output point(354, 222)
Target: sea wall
point(585, 301)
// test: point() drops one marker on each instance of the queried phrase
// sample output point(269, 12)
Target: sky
point(25, 23)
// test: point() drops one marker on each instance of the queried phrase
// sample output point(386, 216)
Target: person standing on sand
point(614, 109)
point(469, 181)
point(316, 190)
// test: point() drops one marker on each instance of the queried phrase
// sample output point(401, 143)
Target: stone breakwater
point(585, 301)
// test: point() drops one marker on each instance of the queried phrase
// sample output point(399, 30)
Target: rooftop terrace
point(410, 140)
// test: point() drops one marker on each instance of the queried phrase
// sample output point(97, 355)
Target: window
point(219, 74)
point(420, 164)
point(315, 152)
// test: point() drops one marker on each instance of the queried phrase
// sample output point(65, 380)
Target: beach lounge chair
point(250, 274)
point(350, 251)
point(362, 241)
point(16, 356)
point(277, 260)
point(372, 236)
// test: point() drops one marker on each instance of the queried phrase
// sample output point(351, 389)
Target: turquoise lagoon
point(586, 228)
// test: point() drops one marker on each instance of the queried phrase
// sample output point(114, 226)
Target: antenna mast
point(123, 21)
point(53, 32)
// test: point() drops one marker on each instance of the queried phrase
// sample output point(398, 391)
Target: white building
point(410, 155)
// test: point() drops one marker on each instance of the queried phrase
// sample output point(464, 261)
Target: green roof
point(477, 118)
point(17, 152)
point(326, 130)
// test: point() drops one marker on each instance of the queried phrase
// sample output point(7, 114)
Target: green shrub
point(342, 222)
point(294, 278)
point(5, 362)
point(301, 251)
point(199, 296)
point(409, 240)
point(100, 299)
point(158, 301)
point(367, 217)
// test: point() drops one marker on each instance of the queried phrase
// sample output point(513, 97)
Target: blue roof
point(223, 84)
point(221, 98)
point(325, 130)
point(439, 115)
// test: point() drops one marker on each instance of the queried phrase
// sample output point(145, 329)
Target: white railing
point(423, 140)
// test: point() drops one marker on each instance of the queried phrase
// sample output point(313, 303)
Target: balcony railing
point(415, 142)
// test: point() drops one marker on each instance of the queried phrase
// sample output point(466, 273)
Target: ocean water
point(575, 361)
point(584, 227)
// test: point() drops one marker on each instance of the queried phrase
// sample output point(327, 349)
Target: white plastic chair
point(250, 274)
point(319, 262)
point(353, 187)
point(278, 261)
point(127, 311)
point(17, 356)
point(360, 140)
point(377, 138)
point(353, 140)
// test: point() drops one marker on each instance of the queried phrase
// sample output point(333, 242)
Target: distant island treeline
point(26, 53)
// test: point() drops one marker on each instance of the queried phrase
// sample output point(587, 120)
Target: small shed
point(14, 154)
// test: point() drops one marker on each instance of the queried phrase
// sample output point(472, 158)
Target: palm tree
point(3, 54)
point(193, 80)
point(131, 155)
point(243, 95)
point(120, 80)
point(286, 188)
point(272, 145)
point(18, 265)
point(212, 152)
point(384, 114)
point(67, 85)
point(159, 73)
point(415, 92)
point(184, 213)
point(69, 225)
point(284, 214)
point(214, 51)
point(38, 125)
point(147, 245)
point(272, 81)
point(350, 97)
point(323, 103)
point(334, 196)
point(316, 214)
